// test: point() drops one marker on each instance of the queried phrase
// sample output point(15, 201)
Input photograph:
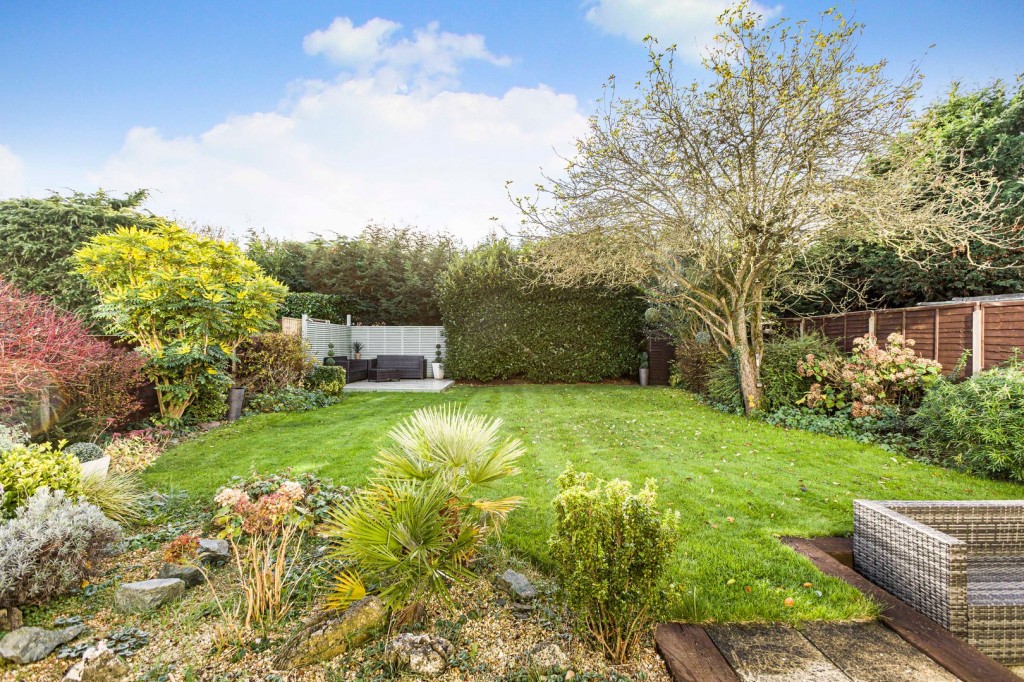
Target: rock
point(28, 645)
point(214, 551)
point(330, 634)
point(517, 585)
point(98, 664)
point(190, 575)
point(548, 657)
point(148, 595)
point(425, 655)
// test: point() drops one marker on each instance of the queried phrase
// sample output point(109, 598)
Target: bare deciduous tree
point(706, 195)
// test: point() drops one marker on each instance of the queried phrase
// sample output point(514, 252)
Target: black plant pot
point(236, 397)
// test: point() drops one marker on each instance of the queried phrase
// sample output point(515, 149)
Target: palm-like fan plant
point(413, 529)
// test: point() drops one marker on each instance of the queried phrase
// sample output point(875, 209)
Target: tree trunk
point(750, 379)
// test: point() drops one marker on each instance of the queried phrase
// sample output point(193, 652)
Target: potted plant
point(357, 346)
point(435, 366)
point(329, 360)
point(645, 371)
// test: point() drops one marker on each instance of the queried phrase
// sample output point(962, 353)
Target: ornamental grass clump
point(612, 547)
point(265, 533)
point(414, 528)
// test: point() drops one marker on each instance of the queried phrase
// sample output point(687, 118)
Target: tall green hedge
point(499, 324)
point(331, 307)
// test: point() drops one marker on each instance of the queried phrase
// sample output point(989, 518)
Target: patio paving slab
point(401, 386)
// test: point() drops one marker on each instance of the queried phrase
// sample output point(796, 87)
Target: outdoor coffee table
point(385, 375)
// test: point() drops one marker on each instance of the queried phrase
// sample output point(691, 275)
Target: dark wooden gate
point(660, 354)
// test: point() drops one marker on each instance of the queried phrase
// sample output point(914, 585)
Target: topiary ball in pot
point(85, 452)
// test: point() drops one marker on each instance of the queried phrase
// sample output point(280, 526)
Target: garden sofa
point(959, 563)
point(355, 370)
point(408, 366)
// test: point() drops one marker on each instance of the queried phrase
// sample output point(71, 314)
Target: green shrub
point(888, 428)
point(12, 435)
point(977, 424)
point(695, 359)
point(210, 403)
point(320, 306)
point(420, 521)
point(500, 323)
point(612, 547)
point(290, 399)
point(783, 384)
point(53, 542)
point(85, 452)
point(25, 469)
point(329, 379)
point(268, 362)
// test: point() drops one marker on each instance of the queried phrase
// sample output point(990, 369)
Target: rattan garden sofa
point(408, 366)
point(959, 563)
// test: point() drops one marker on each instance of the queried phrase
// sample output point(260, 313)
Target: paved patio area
point(402, 386)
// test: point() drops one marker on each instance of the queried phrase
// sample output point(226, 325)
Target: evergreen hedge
point(500, 324)
point(331, 307)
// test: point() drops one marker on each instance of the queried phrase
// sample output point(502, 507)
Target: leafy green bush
point(888, 428)
point(85, 452)
point(329, 379)
point(24, 469)
point(210, 403)
point(11, 435)
point(271, 361)
point(290, 399)
point(978, 423)
point(420, 520)
point(53, 542)
point(783, 384)
point(695, 359)
point(501, 323)
point(612, 547)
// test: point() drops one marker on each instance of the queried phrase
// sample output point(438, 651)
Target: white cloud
point(691, 24)
point(431, 57)
point(12, 177)
point(361, 148)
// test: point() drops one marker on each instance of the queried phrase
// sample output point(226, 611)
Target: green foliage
point(695, 359)
point(500, 323)
point(977, 424)
point(272, 361)
point(783, 384)
point(39, 236)
point(612, 547)
point(12, 435)
point(285, 261)
point(320, 306)
point(420, 520)
point(26, 468)
point(329, 379)
point(118, 495)
point(211, 401)
point(52, 544)
point(288, 399)
point(321, 494)
point(85, 452)
point(186, 300)
point(987, 126)
point(887, 429)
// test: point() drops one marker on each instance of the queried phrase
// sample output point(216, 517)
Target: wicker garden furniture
point(384, 374)
point(959, 563)
point(408, 366)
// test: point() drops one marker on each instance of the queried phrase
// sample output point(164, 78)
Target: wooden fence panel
point(920, 326)
point(1002, 326)
point(888, 322)
point(954, 335)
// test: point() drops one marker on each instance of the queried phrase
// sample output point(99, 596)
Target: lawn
point(737, 483)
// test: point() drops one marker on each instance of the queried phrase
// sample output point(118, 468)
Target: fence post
point(977, 339)
point(871, 324)
point(305, 326)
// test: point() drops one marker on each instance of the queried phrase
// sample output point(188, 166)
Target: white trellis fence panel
point(397, 340)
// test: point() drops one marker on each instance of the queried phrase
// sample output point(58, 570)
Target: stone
point(28, 645)
point(98, 664)
point(148, 595)
point(190, 575)
point(425, 655)
point(518, 585)
point(329, 634)
point(214, 551)
point(548, 657)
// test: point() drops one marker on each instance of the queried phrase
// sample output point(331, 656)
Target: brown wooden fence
point(989, 330)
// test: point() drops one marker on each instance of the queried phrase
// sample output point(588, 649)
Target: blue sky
point(302, 117)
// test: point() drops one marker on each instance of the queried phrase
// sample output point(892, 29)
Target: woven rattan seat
point(959, 563)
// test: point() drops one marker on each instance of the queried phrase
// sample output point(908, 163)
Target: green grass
point(709, 466)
